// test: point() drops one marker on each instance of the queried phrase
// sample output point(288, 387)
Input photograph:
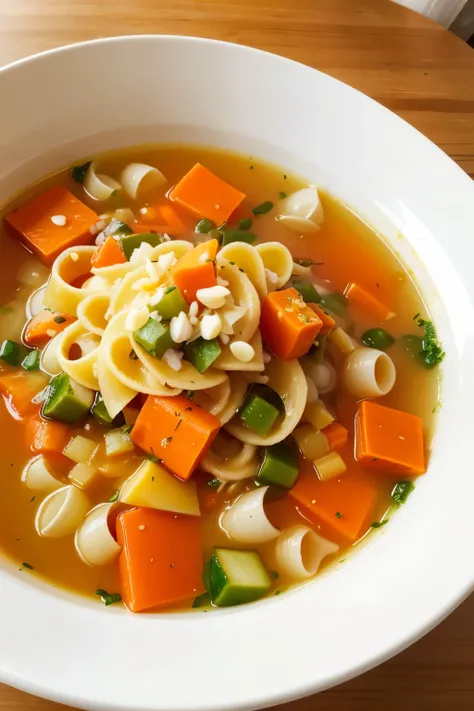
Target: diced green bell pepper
point(32, 360)
point(280, 465)
point(204, 226)
point(131, 242)
point(154, 337)
point(234, 577)
point(258, 414)
point(100, 414)
point(172, 303)
point(306, 289)
point(229, 236)
point(202, 353)
point(13, 353)
point(67, 401)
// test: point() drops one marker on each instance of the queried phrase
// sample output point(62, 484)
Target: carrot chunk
point(34, 225)
point(161, 561)
point(161, 218)
point(176, 430)
point(342, 506)
point(363, 298)
point(336, 434)
point(109, 253)
point(195, 270)
point(287, 324)
point(44, 326)
point(327, 321)
point(206, 195)
point(50, 438)
point(389, 440)
point(19, 388)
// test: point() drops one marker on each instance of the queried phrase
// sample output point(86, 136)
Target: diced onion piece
point(317, 414)
point(94, 541)
point(330, 466)
point(299, 552)
point(302, 211)
point(140, 179)
point(368, 372)
point(49, 356)
point(246, 521)
point(38, 475)
point(341, 340)
point(99, 186)
point(61, 512)
point(312, 443)
point(82, 475)
point(35, 302)
point(80, 449)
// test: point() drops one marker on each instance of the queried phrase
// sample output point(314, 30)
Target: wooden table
point(406, 62)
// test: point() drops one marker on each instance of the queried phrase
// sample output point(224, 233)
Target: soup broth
point(323, 479)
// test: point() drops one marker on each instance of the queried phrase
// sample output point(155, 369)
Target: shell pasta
point(213, 380)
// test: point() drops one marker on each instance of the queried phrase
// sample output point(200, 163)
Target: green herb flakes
point(263, 208)
point(27, 566)
point(214, 483)
point(79, 172)
point(402, 491)
point(379, 524)
point(108, 598)
point(114, 497)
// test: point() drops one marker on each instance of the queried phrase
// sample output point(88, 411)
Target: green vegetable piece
point(108, 598)
point(306, 289)
point(263, 208)
point(282, 195)
point(378, 338)
point(67, 401)
point(280, 465)
point(203, 600)
point(154, 337)
point(131, 242)
point(201, 353)
point(305, 262)
point(79, 172)
point(204, 226)
point(317, 350)
point(117, 227)
point(245, 223)
point(258, 414)
point(32, 360)
point(235, 577)
point(229, 236)
point(431, 351)
point(214, 483)
point(379, 524)
point(337, 303)
point(402, 491)
point(12, 352)
point(172, 303)
point(100, 414)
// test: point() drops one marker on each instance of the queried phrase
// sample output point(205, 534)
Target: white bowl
point(64, 104)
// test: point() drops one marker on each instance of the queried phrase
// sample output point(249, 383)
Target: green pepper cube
point(67, 401)
point(234, 577)
point(258, 414)
point(171, 304)
point(307, 290)
point(101, 415)
point(204, 226)
point(154, 337)
point(263, 208)
point(12, 352)
point(377, 338)
point(32, 360)
point(280, 465)
point(229, 236)
point(202, 353)
point(131, 242)
point(117, 227)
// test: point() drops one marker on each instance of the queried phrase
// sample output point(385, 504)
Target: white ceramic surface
point(62, 105)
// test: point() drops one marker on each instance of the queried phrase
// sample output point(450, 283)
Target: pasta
point(60, 295)
point(246, 521)
point(99, 186)
point(246, 304)
point(299, 552)
point(49, 357)
point(302, 211)
point(242, 465)
point(368, 372)
point(38, 475)
point(92, 311)
point(139, 178)
point(277, 261)
point(94, 541)
point(61, 512)
point(83, 369)
point(245, 257)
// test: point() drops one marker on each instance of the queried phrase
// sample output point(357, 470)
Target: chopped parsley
point(32, 499)
point(379, 524)
point(169, 289)
point(402, 491)
point(263, 208)
point(59, 319)
point(114, 497)
point(108, 598)
point(133, 355)
point(190, 394)
point(79, 172)
point(245, 224)
point(214, 483)
point(307, 262)
point(283, 195)
point(27, 566)
point(338, 514)
point(275, 575)
point(153, 458)
point(180, 421)
point(431, 351)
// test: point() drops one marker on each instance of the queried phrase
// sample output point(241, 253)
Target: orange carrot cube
point(195, 270)
point(327, 321)
point(365, 300)
point(336, 434)
point(206, 195)
point(288, 325)
point(109, 253)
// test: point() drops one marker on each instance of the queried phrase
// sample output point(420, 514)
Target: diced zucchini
point(202, 353)
point(79, 449)
point(155, 488)
point(229, 236)
point(154, 337)
point(118, 441)
point(67, 401)
point(235, 577)
point(204, 226)
point(12, 352)
point(32, 360)
point(260, 410)
point(131, 242)
point(100, 414)
point(117, 227)
point(306, 289)
point(280, 465)
point(171, 304)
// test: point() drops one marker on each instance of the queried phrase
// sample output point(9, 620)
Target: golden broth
point(346, 249)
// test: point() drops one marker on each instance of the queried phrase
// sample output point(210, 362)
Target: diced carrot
point(46, 325)
point(161, 561)
point(162, 218)
point(327, 321)
point(19, 388)
point(363, 298)
point(195, 270)
point(176, 430)
point(206, 195)
point(287, 324)
point(342, 506)
point(33, 223)
point(79, 281)
point(389, 440)
point(336, 434)
point(109, 253)
point(30, 427)
point(50, 438)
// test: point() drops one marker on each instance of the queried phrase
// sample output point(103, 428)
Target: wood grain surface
point(410, 65)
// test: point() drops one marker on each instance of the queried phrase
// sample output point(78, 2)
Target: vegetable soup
point(217, 379)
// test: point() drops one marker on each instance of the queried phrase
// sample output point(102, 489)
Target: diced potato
point(317, 415)
point(118, 441)
point(80, 449)
point(330, 466)
point(340, 339)
point(312, 443)
point(82, 475)
point(153, 487)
